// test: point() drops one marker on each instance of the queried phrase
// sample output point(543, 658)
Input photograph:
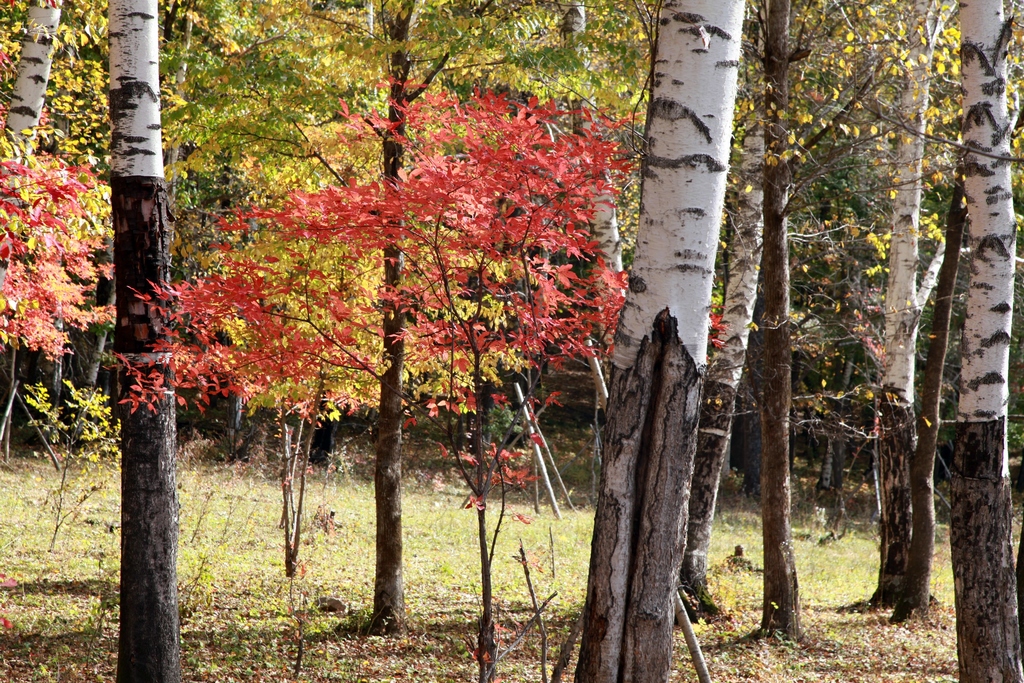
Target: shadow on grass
point(81, 588)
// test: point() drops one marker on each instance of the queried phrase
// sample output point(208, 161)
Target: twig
point(533, 598)
point(565, 654)
point(521, 635)
point(53, 456)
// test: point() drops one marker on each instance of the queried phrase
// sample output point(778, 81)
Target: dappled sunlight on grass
point(238, 609)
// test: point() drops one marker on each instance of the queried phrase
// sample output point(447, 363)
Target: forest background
point(261, 100)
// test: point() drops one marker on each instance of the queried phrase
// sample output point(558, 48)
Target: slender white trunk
point(689, 127)
point(902, 313)
point(744, 260)
point(33, 70)
point(135, 147)
point(902, 309)
point(988, 637)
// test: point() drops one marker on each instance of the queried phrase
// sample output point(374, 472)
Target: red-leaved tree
point(501, 275)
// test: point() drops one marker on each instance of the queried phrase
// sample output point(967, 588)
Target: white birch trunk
point(661, 347)
point(902, 313)
point(902, 309)
point(689, 127)
point(745, 257)
point(986, 342)
point(33, 70)
point(988, 636)
point(135, 148)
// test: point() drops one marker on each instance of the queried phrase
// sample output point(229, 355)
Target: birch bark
point(661, 346)
point(33, 71)
point(902, 313)
point(148, 650)
point(719, 399)
point(988, 639)
point(916, 595)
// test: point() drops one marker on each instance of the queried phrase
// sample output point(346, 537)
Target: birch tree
point(148, 650)
point(33, 71)
point(718, 403)
point(988, 639)
point(661, 344)
point(904, 302)
point(915, 597)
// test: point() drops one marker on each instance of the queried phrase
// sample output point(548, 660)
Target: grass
point(238, 610)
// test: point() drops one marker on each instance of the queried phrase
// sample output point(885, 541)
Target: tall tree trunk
point(33, 71)
point(988, 636)
point(902, 313)
point(388, 587)
point(718, 403)
point(916, 593)
point(148, 650)
point(658, 368)
point(781, 608)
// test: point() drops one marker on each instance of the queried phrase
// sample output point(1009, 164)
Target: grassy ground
point(238, 610)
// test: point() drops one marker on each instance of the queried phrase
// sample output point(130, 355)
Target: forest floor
point(239, 612)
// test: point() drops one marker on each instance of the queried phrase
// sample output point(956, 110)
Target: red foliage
point(492, 223)
point(46, 252)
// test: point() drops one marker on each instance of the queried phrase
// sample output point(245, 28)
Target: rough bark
point(781, 607)
point(148, 648)
point(389, 592)
point(717, 406)
point(29, 93)
point(916, 594)
point(898, 438)
point(902, 313)
point(658, 368)
point(988, 636)
point(645, 475)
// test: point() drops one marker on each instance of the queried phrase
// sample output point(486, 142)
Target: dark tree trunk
point(898, 438)
point(148, 648)
point(648, 462)
point(916, 593)
point(988, 635)
point(781, 607)
point(388, 589)
point(716, 411)
point(388, 592)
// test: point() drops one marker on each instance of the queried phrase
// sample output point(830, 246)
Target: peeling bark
point(645, 477)
point(148, 647)
point(897, 438)
point(658, 368)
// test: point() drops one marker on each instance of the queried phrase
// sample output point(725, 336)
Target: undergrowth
point(240, 616)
